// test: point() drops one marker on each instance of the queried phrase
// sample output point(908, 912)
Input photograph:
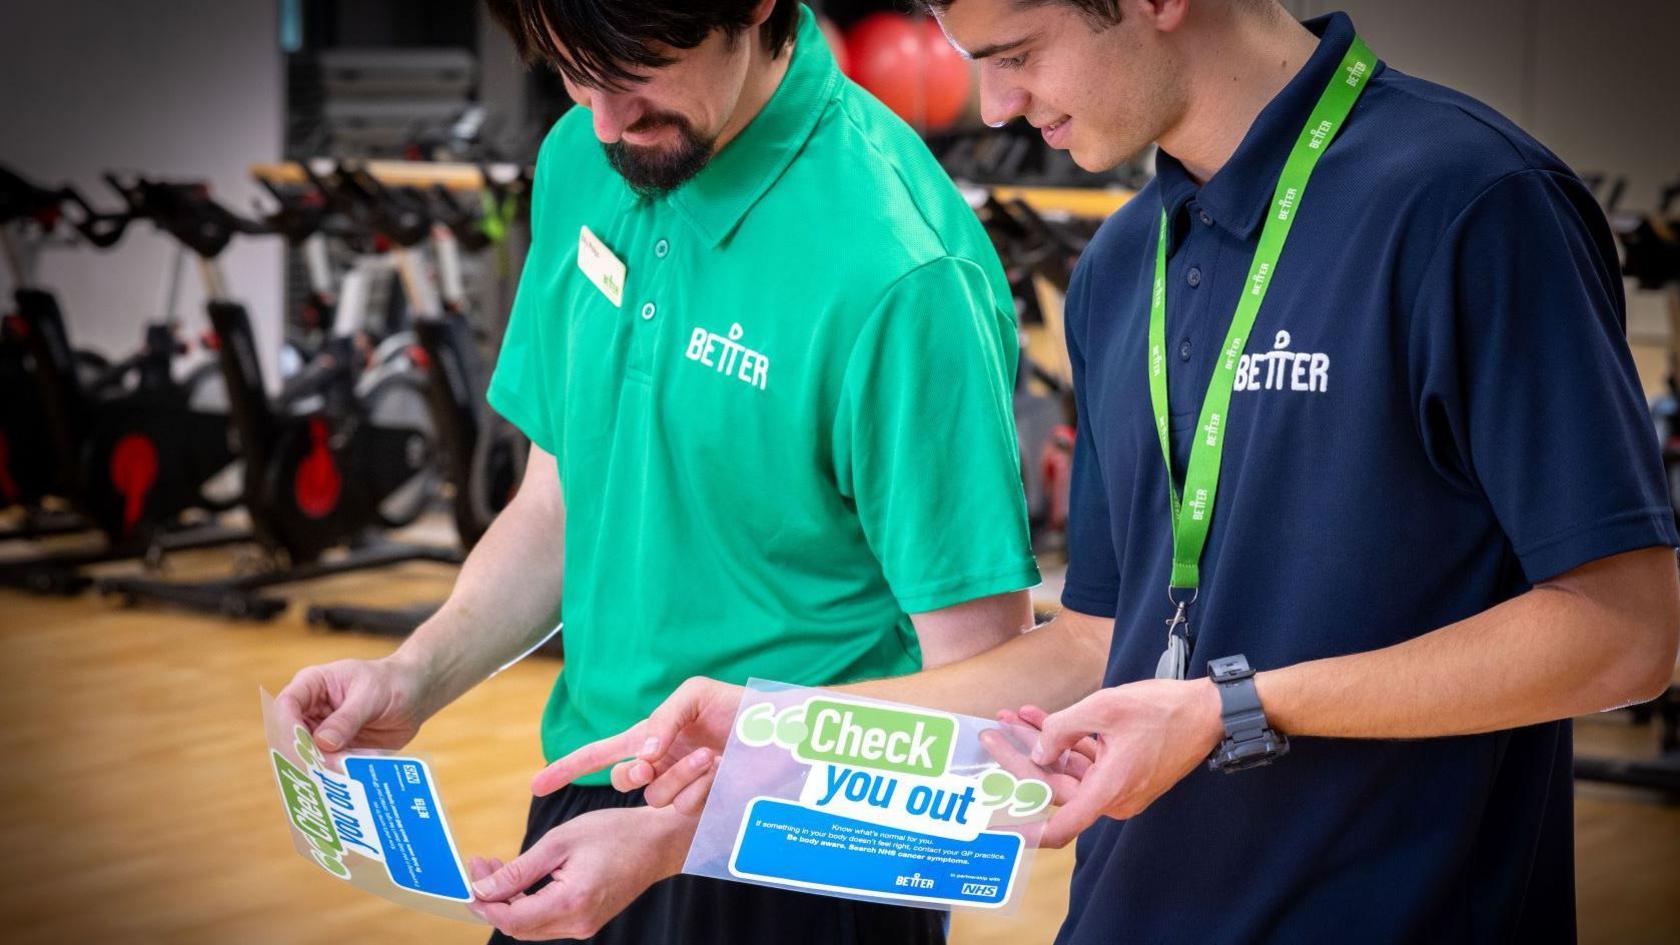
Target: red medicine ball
point(910, 66)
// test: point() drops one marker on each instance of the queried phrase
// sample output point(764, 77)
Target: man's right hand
point(672, 754)
point(358, 703)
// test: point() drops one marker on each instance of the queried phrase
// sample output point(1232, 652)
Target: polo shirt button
point(1194, 277)
point(647, 311)
point(1206, 220)
point(1184, 350)
point(661, 248)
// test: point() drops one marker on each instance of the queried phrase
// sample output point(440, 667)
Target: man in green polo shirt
point(764, 353)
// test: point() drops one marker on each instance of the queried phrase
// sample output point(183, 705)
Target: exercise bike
point(482, 453)
point(123, 445)
point(328, 465)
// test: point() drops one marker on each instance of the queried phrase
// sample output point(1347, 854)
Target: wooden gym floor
point(136, 802)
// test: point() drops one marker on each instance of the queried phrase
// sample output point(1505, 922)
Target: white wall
point(173, 88)
point(1597, 83)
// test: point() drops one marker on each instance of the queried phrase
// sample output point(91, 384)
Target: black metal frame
point(242, 597)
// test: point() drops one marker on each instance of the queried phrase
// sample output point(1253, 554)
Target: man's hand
point(1062, 774)
point(1147, 736)
point(358, 703)
point(597, 863)
point(672, 753)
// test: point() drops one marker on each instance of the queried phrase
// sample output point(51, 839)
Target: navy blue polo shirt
point(1436, 410)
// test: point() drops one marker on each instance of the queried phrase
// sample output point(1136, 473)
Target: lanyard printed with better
point(1192, 516)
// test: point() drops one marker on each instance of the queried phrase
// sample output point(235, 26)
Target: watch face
point(1229, 667)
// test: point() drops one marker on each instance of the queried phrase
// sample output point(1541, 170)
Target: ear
point(762, 12)
point(1162, 15)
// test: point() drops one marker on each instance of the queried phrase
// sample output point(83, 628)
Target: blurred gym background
point(135, 798)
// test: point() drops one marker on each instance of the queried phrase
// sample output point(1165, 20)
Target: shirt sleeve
point(518, 386)
point(924, 440)
point(1524, 387)
point(1093, 573)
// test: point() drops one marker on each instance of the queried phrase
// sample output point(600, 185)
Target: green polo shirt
point(793, 430)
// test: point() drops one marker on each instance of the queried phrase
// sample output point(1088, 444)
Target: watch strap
point(1249, 738)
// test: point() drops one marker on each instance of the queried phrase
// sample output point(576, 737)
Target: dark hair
point(1099, 12)
point(607, 42)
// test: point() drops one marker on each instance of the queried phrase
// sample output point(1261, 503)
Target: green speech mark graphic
point(305, 745)
point(791, 728)
point(1031, 796)
point(757, 726)
point(999, 787)
point(760, 725)
point(996, 788)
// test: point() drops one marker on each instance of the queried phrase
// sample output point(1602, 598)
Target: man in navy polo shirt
point(1423, 520)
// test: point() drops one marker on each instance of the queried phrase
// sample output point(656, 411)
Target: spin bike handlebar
point(20, 199)
point(400, 216)
point(100, 229)
point(187, 212)
point(301, 214)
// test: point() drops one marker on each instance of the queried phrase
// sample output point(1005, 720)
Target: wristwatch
point(1249, 741)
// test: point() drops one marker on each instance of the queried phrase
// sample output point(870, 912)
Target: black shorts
point(698, 910)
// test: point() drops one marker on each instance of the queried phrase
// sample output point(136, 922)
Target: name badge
point(601, 266)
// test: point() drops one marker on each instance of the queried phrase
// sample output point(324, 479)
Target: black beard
point(654, 172)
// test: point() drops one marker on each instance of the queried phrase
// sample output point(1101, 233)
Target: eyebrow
point(986, 52)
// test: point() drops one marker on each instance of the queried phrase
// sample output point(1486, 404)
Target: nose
point(1000, 98)
point(612, 113)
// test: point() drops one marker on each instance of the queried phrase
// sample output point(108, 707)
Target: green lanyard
point(1192, 516)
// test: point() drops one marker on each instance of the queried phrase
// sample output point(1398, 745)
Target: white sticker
point(601, 266)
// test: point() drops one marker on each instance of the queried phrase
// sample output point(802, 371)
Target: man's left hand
point(1147, 736)
point(599, 863)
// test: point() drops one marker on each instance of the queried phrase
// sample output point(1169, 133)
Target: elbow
point(1648, 667)
point(1664, 655)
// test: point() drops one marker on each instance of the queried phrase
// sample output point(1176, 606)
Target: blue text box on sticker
point(792, 845)
point(419, 852)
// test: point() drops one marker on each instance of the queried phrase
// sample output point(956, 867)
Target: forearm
point(1560, 650)
point(506, 598)
point(670, 835)
point(968, 629)
point(1050, 667)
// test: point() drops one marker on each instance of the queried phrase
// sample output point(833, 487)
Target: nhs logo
point(989, 891)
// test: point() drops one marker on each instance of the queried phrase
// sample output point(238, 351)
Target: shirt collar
point(1239, 193)
point(717, 199)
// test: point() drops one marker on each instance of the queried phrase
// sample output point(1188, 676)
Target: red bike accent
point(1056, 463)
point(317, 484)
point(8, 485)
point(134, 467)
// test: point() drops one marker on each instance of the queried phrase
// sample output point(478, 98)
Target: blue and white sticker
point(413, 839)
